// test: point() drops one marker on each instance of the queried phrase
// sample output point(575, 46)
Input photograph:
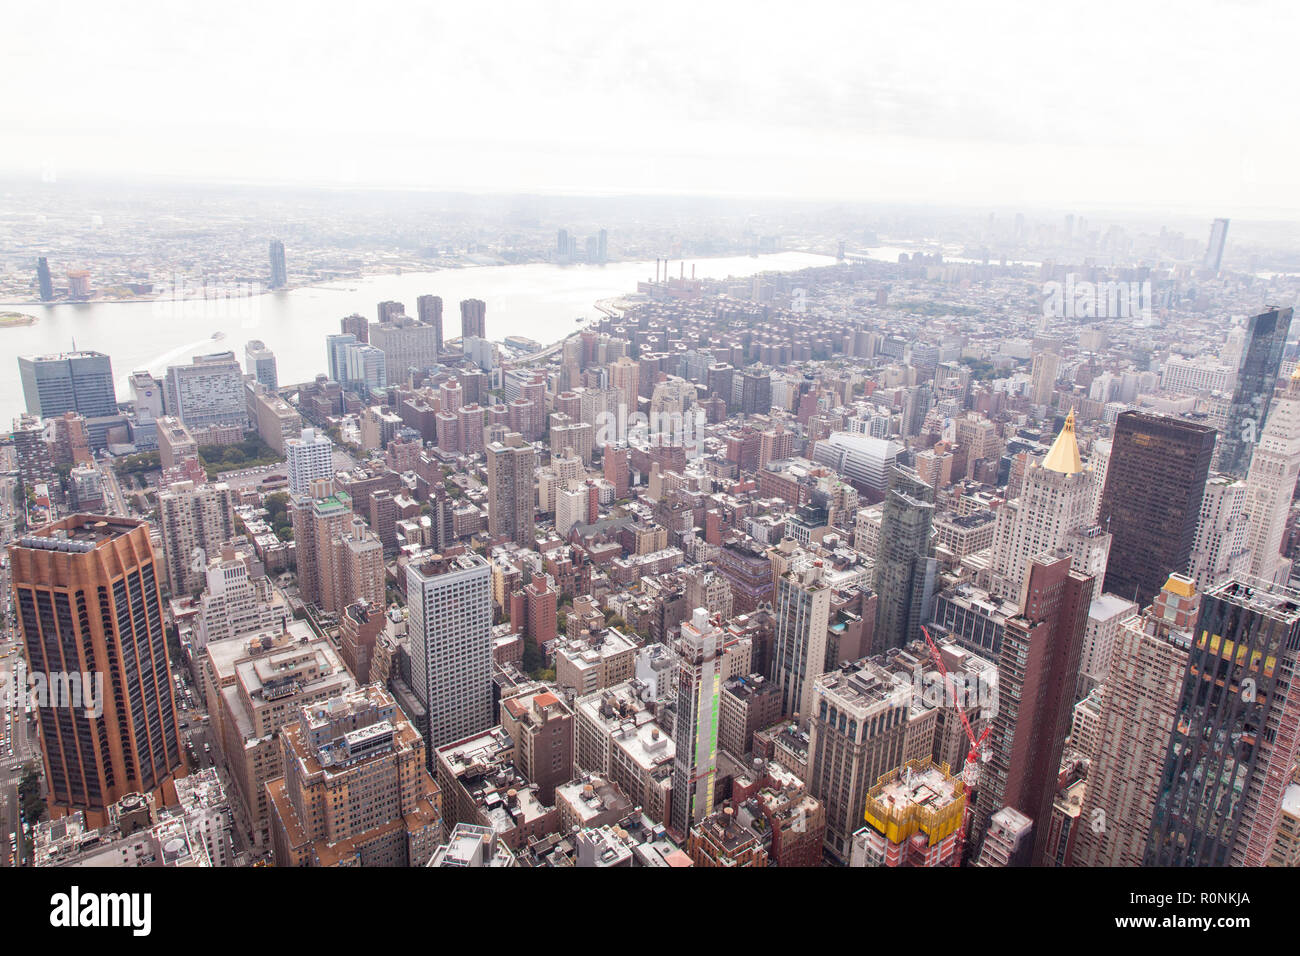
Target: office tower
point(1152, 500)
point(856, 735)
point(1271, 483)
point(1038, 668)
point(310, 457)
point(336, 346)
point(802, 609)
point(756, 391)
point(1214, 250)
point(390, 311)
point(473, 319)
point(1138, 708)
point(865, 462)
point(1261, 362)
point(356, 325)
point(259, 362)
point(146, 396)
point(1053, 513)
point(904, 571)
point(541, 725)
point(699, 688)
point(1233, 748)
point(43, 279)
point(428, 308)
point(80, 382)
point(1221, 548)
point(450, 638)
point(510, 489)
point(87, 600)
point(279, 273)
point(602, 246)
point(355, 791)
point(1043, 379)
point(196, 520)
point(407, 343)
point(208, 391)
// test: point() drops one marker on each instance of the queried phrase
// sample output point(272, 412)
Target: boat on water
point(218, 336)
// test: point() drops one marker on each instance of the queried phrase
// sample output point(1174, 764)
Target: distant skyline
point(1130, 106)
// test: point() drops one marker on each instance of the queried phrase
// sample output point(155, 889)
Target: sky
point(1186, 106)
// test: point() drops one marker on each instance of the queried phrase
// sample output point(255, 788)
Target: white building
point(450, 635)
point(310, 457)
point(1221, 549)
point(1270, 485)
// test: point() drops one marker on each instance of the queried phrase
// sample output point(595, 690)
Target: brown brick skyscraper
point(87, 596)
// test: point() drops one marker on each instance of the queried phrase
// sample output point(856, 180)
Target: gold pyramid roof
point(1064, 455)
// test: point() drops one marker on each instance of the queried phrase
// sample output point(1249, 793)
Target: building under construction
point(914, 818)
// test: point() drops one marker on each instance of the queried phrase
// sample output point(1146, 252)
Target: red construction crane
point(970, 774)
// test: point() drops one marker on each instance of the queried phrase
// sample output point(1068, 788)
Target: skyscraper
point(1214, 249)
point(429, 310)
point(80, 382)
point(905, 568)
point(1053, 513)
point(1152, 500)
point(1261, 363)
point(473, 318)
point(510, 489)
point(279, 274)
point(802, 610)
point(699, 693)
point(1271, 483)
point(259, 362)
point(1038, 668)
point(87, 599)
point(1235, 734)
point(450, 639)
point(43, 279)
point(1138, 708)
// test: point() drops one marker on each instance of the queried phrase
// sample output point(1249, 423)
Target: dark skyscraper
point(390, 310)
point(1261, 363)
point(429, 310)
point(43, 277)
point(279, 274)
point(80, 382)
point(356, 325)
point(1152, 500)
point(904, 566)
point(1234, 742)
point(1037, 669)
point(88, 603)
point(1214, 250)
point(473, 318)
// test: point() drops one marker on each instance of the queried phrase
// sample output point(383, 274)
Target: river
point(539, 301)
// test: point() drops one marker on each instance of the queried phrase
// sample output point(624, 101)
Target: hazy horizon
point(1130, 109)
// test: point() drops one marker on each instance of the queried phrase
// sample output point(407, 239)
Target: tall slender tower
point(1236, 732)
point(450, 640)
point(89, 607)
point(1152, 501)
point(1261, 362)
point(473, 318)
point(279, 274)
point(1038, 668)
point(510, 489)
point(429, 310)
point(1270, 485)
point(699, 694)
point(904, 572)
point(803, 609)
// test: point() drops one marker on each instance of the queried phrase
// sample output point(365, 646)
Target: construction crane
point(970, 774)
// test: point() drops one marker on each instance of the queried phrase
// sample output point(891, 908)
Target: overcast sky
point(1181, 105)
